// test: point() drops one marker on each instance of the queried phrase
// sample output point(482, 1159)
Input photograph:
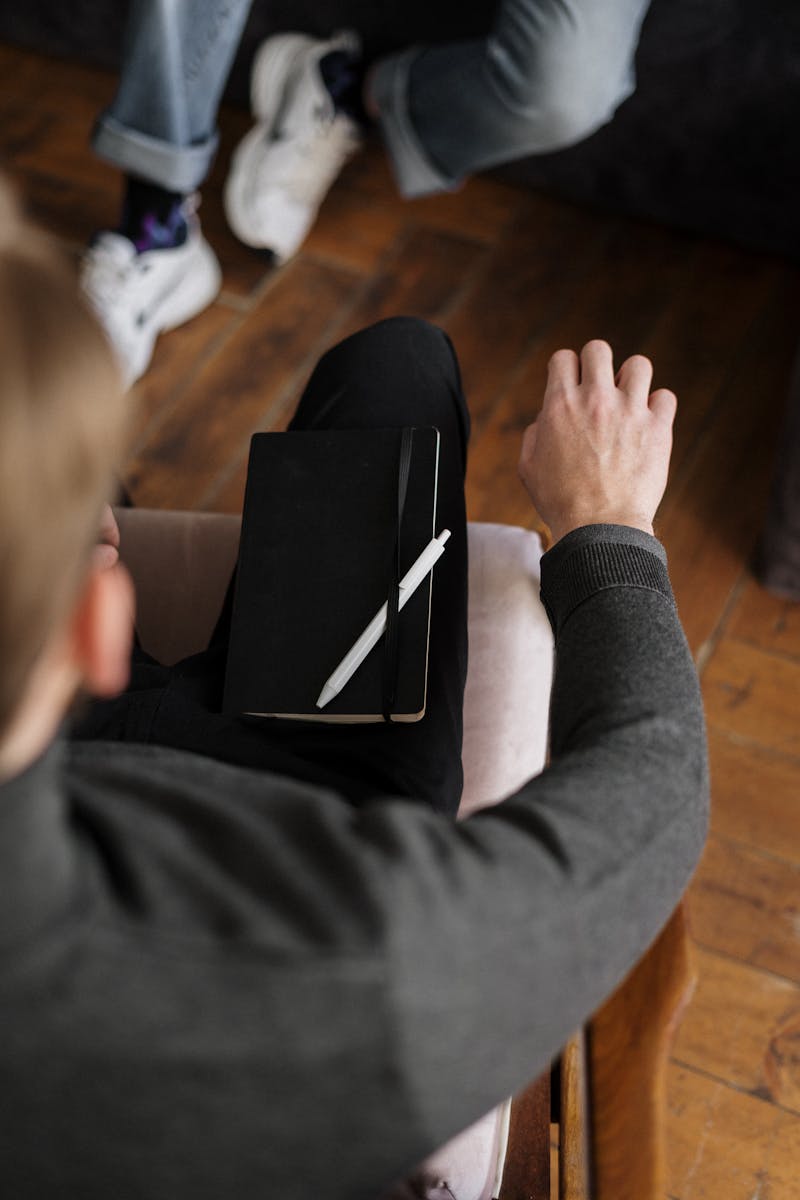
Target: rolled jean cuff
point(176, 168)
point(414, 172)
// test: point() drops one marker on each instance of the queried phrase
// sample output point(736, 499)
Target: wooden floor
point(513, 276)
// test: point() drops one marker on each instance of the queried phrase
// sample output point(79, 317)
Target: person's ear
point(102, 630)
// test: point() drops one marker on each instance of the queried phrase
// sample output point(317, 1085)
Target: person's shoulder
point(208, 850)
point(123, 766)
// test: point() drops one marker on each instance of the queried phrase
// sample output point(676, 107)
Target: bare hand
point(106, 552)
point(599, 450)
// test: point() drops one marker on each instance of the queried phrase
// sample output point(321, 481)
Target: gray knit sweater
point(220, 984)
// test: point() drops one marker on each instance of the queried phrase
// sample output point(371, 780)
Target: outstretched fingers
point(663, 404)
point(597, 364)
point(563, 370)
point(635, 376)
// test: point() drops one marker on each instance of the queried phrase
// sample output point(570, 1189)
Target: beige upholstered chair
point(181, 563)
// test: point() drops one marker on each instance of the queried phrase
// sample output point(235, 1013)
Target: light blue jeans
point(162, 124)
point(550, 73)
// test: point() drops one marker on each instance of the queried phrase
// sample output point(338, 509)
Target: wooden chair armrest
point(612, 1082)
point(629, 1043)
point(526, 1171)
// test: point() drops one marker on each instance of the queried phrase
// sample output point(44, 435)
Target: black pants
point(399, 372)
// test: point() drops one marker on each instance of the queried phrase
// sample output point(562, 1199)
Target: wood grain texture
point(767, 621)
point(743, 1028)
point(753, 694)
point(424, 276)
point(354, 236)
point(526, 1173)
point(629, 1044)
point(754, 795)
point(481, 211)
point(47, 109)
point(529, 276)
point(574, 1157)
point(747, 905)
point(176, 363)
point(620, 297)
point(726, 1145)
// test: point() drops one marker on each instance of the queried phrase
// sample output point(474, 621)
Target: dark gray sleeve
point(515, 927)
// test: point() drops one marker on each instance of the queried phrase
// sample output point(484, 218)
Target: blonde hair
point(61, 432)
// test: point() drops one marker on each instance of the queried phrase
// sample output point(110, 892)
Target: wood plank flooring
point(512, 276)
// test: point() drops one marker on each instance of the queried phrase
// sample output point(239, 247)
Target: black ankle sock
point(343, 75)
point(152, 217)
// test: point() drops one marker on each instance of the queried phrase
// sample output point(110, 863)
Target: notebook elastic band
point(390, 659)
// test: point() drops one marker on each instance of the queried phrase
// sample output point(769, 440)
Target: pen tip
point(326, 695)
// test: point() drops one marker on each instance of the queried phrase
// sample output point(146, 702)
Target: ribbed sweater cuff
point(596, 557)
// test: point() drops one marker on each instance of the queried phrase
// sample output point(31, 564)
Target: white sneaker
point(138, 296)
point(283, 168)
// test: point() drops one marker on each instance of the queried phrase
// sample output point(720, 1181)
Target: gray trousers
point(550, 73)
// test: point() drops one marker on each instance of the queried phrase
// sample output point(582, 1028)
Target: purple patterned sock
point(152, 217)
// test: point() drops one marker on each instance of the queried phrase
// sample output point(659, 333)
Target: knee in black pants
point(402, 370)
point(395, 338)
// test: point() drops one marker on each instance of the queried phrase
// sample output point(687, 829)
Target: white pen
point(372, 634)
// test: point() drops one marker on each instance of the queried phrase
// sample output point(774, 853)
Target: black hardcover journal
point(318, 548)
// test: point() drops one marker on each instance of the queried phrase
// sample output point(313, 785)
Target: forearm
point(627, 737)
point(553, 896)
point(624, 800)
point(620, 651)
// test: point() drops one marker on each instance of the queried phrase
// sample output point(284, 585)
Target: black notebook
point(317, 551)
